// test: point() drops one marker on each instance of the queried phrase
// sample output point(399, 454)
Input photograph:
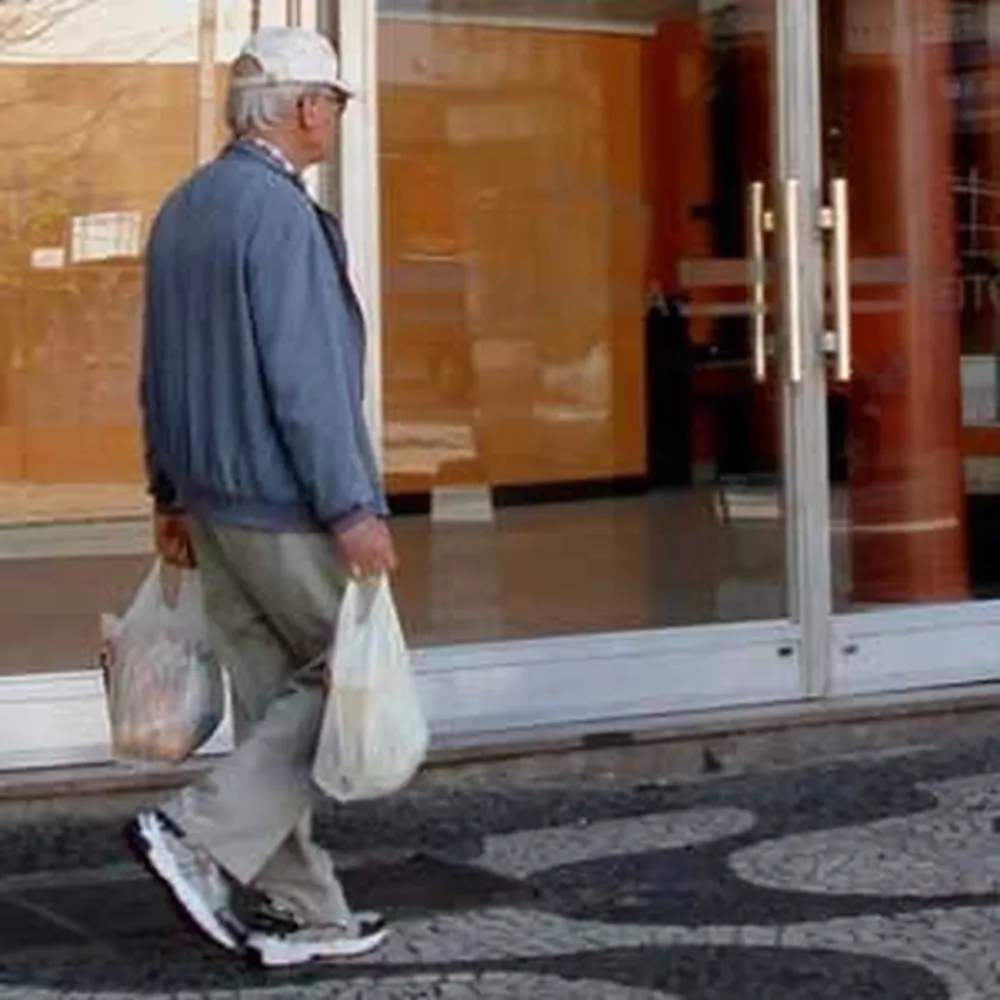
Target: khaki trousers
point(271, 602)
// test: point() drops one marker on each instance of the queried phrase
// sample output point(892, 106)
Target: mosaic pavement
point(870, 878)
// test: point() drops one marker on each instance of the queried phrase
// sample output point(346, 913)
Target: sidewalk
point(868, 878)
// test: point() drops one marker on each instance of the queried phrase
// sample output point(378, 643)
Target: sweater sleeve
point(161, 487)
point(301, 324)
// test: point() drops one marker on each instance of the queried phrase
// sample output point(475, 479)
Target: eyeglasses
point(338, 97)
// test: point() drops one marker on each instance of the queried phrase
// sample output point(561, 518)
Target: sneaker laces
point(199, 866)
point(272, 917)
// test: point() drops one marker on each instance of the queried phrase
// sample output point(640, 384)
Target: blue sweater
point(253, 355)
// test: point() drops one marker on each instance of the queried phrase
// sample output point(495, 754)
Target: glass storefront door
point(589, 378)
point(911, 137)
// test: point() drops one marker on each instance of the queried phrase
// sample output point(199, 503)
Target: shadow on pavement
point(124, 935)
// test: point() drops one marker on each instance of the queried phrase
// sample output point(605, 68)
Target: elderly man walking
point(263, 476)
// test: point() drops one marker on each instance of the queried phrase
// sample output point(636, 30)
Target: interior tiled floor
point(606, 565)
point(659, 560)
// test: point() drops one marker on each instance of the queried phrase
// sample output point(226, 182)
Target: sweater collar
point(268, 154)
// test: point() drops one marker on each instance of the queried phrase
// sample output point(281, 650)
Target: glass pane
point(912, 117)
point(104, 109)
point(573, 431)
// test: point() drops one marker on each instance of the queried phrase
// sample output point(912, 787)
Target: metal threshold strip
point(662, 748)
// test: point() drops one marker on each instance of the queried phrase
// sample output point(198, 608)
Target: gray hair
point(253, 105)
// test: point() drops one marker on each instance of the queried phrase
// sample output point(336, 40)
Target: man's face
point(319, 118)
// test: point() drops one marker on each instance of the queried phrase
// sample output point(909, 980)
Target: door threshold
point(670, 748)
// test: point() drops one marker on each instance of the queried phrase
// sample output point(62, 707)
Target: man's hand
point(173, 542)
point(366, 549)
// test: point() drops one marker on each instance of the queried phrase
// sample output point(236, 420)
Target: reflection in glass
point(566, 369)
point(912, 122)
point(104, 109)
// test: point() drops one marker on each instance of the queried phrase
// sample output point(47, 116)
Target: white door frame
point(360, 201)
point(798, 144)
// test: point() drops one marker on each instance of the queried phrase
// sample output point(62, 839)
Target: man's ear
point(302, 113)
point(308, 111)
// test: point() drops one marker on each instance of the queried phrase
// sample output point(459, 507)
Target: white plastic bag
point(374, 735)
point(164, 687)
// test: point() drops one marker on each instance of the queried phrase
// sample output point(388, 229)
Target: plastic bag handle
point(361, 596)
point(151, 591)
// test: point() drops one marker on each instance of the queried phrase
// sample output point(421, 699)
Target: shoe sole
point(277, 953)
point(369, 922)
point(365, 922)
point(146, 840)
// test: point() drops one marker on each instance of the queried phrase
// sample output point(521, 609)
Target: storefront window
point(912, 127)
point(104, 106)
point(572, 427)
point(576, 437)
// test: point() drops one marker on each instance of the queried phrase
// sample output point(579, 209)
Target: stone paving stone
point(22, 928)
point(857, 880)
point(524, 854)
point(426, 884)
point(946, 851)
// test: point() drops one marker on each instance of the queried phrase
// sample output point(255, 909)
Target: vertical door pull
point(759, 222)
point(841, 275)
point(791, 286)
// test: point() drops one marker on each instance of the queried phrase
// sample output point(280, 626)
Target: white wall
point(123, 31)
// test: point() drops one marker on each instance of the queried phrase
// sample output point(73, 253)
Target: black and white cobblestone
point(947, 851)
point(864, 879)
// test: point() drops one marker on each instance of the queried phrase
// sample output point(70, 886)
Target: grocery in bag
point(164, 686)
point(374, 735)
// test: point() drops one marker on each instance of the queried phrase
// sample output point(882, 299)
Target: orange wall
point(516, 186)
point(515, 235)
point(79, 140)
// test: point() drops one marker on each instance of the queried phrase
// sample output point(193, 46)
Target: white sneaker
point(197, 883)
point(315, 944)
point(271, 917)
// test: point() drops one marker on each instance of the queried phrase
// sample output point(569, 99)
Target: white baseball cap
point(293, 55)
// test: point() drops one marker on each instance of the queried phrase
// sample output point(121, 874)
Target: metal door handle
point(791, 286)
point(759, 221)
point(841, 275)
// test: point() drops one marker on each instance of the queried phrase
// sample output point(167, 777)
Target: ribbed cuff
point(347, 521)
